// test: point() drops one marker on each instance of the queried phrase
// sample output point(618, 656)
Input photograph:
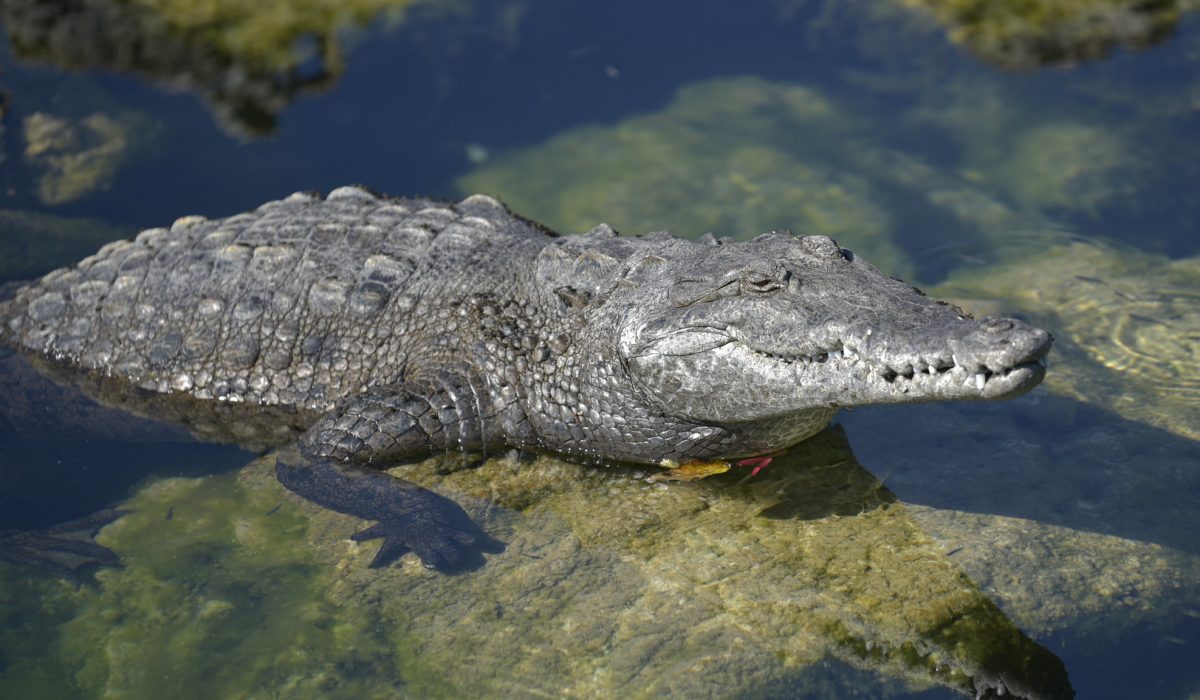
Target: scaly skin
point(377, 330)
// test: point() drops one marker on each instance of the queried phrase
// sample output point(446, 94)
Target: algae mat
point(742, 156)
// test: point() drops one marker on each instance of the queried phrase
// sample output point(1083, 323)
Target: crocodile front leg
point(384, 426)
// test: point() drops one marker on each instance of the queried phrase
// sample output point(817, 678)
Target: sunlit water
point(912, 551)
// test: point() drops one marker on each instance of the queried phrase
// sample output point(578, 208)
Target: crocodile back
point(296, 304)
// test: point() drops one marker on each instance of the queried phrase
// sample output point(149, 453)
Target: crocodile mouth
point(937, 375)
point(999, 368)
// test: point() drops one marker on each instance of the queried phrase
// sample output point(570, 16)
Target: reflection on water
point(66, 550)
point(249, 58)
point(1029, 34)
point(981, 537)
point(75, 158)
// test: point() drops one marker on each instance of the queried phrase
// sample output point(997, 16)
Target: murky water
point(1042, 164)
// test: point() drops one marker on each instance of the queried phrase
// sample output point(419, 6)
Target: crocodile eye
point(760, 282)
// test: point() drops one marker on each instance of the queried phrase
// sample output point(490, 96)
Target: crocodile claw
point(439, 547)
point(393, 545)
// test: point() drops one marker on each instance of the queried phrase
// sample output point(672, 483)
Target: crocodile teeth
point(980, 380)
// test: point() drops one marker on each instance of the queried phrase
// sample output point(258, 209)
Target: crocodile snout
point(997, 343)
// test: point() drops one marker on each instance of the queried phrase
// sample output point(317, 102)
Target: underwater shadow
point(1045, 458)
point(929, 622)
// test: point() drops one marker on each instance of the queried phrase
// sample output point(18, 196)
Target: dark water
point(1057, 181)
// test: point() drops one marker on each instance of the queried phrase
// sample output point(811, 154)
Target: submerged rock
point(733, 156)
point(219, 595)
point(741, 156)
point(610, 584)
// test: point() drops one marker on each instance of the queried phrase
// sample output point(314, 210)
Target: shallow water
point(913, 551)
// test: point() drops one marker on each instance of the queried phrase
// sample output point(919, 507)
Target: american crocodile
point(369, 330)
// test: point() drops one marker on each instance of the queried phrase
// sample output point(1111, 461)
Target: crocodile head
point(737, 332)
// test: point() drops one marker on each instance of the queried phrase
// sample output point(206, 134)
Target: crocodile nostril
point(998, 325)
point(823, 246)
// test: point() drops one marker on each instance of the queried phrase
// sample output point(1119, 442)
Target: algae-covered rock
point(74, 158)
point(1021, 34)
point(737, 157)
point(609, 585)
point(612, 584)
point(1058, 166)
point(740, 156)
point(33, 244)
point(219, 596)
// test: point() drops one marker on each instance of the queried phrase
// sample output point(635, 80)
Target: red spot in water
point(757, 462)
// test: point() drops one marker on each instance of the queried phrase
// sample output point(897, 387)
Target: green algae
point(736, 156)
point(77, 157)
point(218, 595)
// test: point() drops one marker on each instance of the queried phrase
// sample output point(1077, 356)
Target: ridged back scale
point(292, 306)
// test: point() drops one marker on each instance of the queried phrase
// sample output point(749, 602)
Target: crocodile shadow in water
point(975, 650)
point(813, 537)
point(1049, 459)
